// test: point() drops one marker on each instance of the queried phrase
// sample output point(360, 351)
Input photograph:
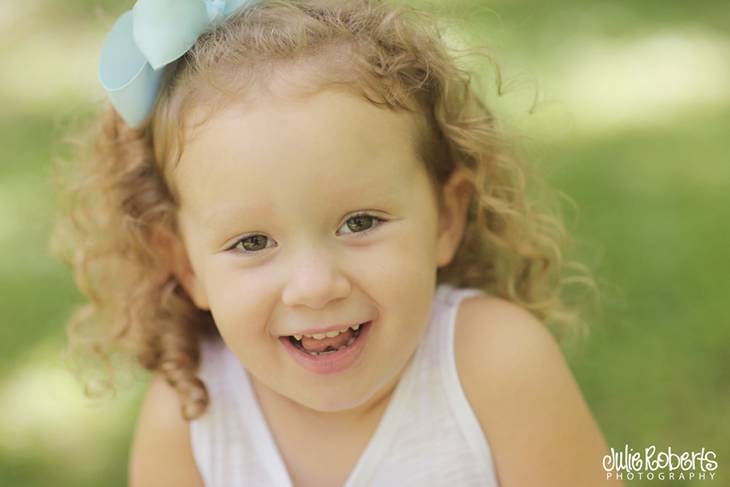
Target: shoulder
point(161, 454)
point(496, 336)
point(538, 425)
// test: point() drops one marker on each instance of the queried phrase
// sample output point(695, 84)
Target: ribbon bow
point(147, 39)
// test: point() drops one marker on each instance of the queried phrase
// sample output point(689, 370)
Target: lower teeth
point(317, 354)
point(349, 342)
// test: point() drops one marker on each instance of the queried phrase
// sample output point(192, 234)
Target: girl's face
point(308, 213)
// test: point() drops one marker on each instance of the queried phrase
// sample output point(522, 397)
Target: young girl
point(302, 219)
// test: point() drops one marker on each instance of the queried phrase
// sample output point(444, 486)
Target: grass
point(651, 192)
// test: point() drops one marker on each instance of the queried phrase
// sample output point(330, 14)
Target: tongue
point(314, 345)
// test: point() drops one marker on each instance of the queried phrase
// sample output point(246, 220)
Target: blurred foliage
point(627, 124)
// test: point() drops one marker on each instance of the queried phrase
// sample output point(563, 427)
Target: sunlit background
point(624, 105)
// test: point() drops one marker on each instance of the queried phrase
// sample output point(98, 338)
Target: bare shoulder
point(161, 454)
point(538, 425)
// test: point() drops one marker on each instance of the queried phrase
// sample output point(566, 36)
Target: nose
point(315, 280)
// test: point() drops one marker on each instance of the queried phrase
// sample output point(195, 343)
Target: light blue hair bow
point(146, 40)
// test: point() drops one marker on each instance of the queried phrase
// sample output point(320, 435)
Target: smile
point(328, 353)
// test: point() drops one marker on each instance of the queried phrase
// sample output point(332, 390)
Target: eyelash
point(377, 219)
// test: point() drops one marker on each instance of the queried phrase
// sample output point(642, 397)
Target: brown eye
point(362, 223)
point(253, 243)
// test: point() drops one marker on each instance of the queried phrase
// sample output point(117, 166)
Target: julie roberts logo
point(653, 464)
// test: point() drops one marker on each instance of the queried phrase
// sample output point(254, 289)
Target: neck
point(372, 409)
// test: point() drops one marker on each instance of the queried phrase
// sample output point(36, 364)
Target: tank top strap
point(231, 442)
point(450, 298)
point(448, 293)
point(447, 301)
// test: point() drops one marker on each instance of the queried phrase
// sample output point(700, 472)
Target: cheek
point(409, 255)
point(237, 299)
point(400, 274)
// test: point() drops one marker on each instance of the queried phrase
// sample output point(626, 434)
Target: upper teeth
point(329, 334)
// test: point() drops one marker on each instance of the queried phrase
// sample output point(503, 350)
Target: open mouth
point(330, 354)
point(328, 346)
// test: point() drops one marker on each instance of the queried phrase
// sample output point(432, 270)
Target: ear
point(455, 197)
point(171, 249)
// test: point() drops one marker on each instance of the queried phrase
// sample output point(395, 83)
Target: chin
point(333, 401)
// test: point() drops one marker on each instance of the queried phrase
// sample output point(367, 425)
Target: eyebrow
point(223, 216)
point(386, 194)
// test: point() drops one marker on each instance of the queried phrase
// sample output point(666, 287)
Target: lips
point(329, 363)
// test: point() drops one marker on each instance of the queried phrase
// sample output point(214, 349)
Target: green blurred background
point(624, 105)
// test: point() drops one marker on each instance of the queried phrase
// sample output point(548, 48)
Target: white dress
point(428, 435)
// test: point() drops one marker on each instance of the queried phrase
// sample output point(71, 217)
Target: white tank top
point(428, 435)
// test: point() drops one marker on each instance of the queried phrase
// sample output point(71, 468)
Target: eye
point(251, 244)
point(362, 223)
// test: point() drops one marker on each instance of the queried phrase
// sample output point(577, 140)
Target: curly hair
point(117, 190)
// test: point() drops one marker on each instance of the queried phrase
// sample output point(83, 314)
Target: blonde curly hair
point(116, 192)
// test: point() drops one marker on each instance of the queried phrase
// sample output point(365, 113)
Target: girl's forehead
point(330, 138)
